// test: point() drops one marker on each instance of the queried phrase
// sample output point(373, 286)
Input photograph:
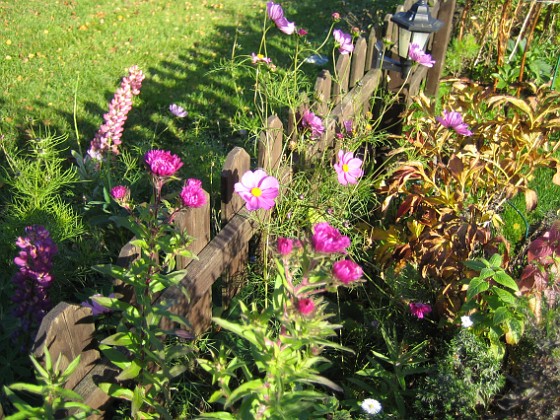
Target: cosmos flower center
point(256, 191)
point(345, 167)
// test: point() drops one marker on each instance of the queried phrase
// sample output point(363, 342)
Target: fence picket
point(358, 62)
point(322, 93)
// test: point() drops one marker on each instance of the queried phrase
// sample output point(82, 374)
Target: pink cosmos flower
point(285, 26)
point(417, 54)
point(305, 306)
point(162, 163)
point(284, 246)
point(343, 41)
point(328, 240)
point(315, 123)
point(274, 11)
point(347, 271)
point(257, 189)
point(120, 193)
point(419, 309)
point(454, 120)
point(259, 58)
point(348, 168)
point(178, 111)
point(192, 194)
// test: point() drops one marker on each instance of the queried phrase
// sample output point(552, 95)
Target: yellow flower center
point(345, 167)
point(256, 192)
point(260, 56)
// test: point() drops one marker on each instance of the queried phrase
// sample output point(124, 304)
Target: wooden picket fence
point(68, 329)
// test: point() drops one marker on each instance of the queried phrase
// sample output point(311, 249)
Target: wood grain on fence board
point(322, 93)
point(371, 41)
point(270, 145)
point(342, 76)
point(358, 62)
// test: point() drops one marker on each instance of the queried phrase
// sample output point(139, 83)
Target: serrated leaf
point(476, 286)
point(476, 265)
point(501, 315)
point(495, 261)
point(505, 280)
point(505, 296)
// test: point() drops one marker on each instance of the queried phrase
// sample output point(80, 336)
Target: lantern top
point(417, 18)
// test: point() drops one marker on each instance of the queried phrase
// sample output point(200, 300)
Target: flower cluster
point(454, 120)
point(276, 14)
point(34, 277)
point(417, 54)
point(328, 240)
point(314, 123)
point(108, 137)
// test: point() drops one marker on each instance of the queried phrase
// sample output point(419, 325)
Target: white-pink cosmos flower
point(348, 168)
point(343, 41)
point(258, 189)
point(417, 54)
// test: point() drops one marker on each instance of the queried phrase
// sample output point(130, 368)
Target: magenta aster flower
point(348, 168)
point(192, 194)
point(178, 111)
point(302, 32)
point(257, 189)
point(454, 120)
point(343, 42)
point(347, 271)
point(313, 122)
point(328, 240)
point(305, 306)
point(284, 246)
point(108, 137)
point(419, 309)
point(120, 193)
point(417, 54)
point(162, 163)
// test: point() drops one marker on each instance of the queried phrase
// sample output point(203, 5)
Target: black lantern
point(415, 27)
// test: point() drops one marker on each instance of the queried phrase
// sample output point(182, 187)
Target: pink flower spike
point(347, 271)
point(328, 240)
point(312, 121)
point(305, 306)
point(343, 42)
point(258, 189)
point(274, 11)
point(348, 168)
point(162, 163)
point(178, 111)
point(192, 194)
point(417, 54)
point(454, 120)
point(419, 309)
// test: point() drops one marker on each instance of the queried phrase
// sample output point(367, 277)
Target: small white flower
point(371, 406)
point(466, 321)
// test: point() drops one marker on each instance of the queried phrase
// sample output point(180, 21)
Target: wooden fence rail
point(68, 330)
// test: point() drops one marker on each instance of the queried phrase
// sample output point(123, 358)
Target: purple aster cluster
point(33, 279)
point(192, 194)
point(108, 137)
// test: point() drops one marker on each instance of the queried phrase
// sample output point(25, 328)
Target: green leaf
point(505, 280)
point(321, 380)
point(174, 277)
point(137, 401)
point(112, 270)
point(240, 330)
point(34, 389)
point(69, 394)
point(502, 315)
point(505, 296)
point(116, 391)
point(476, 286)
point(116, 357)
point(223, 415)
point(486, 272)
point(130, 372)
point(71, 368)
point(476, 265)
point(495, 261)
point(243, 390)
point(111, 303)
point(118, 339)
point(38, 368)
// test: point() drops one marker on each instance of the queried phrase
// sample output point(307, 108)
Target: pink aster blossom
point(305, 306)
point(419, 309)
point(347, 271)
point(284, 246)
point(328, 239)
point(192, 194)
point(257, 189)
point(454, 120)
point(313, 122)
point(162, 163)
point(343, 42)
point(178, 111)
point(417, 54)
point(259, 58)
point(108, 137)
point(348, 168)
